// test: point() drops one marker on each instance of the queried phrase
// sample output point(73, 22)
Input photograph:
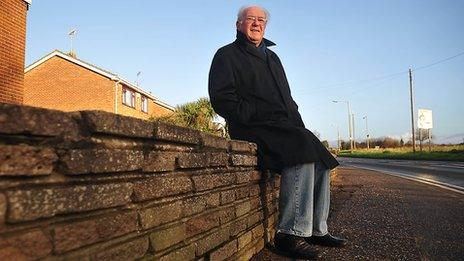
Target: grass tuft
point(438, 152)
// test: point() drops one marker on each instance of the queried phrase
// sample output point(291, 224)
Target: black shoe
point(327, 240)
point(294, 247)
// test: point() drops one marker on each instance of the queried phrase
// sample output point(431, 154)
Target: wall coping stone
point(110, 123)
point(212, 141)
point(242, 146)
point(18, 119)
point(170, 132)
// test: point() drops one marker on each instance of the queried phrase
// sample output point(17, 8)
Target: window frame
point(144, 104)
point(128, 101)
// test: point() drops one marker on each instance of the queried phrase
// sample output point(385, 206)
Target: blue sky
point(331, 50)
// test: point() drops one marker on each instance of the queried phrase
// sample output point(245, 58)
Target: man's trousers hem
point(320, 235)
point(294, 233)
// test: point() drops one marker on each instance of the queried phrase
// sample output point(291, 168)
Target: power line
point(356, 89)
point(440, 61)
point(388, 76)
point(372, 79)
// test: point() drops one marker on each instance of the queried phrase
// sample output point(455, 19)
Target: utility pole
point(350, 126)
point(349, 123)
point(338, 137)
point(430, 141)
point(411, 94)
point(367, 132)
point(420, 139)
point(354, 136)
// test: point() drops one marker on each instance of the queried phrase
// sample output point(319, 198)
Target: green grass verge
point(454, 155)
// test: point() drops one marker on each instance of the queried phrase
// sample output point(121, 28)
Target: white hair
point(241, 12)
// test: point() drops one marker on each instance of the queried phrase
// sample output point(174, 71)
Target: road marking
point(417, 164)
point(454, 188)
point(451, 166)
point(448, 164)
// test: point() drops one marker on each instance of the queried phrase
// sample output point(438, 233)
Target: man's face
point(253, 24)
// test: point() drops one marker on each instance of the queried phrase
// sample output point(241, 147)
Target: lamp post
point(367, 132)
point(349, 122)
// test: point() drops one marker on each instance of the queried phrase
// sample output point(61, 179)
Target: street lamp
point(349, 122)
point(367, 132)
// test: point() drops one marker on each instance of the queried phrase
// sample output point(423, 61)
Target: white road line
point(454, 188)
point(450, 166)
point(428, 165)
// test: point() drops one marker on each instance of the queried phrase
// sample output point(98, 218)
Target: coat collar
point(250, 47)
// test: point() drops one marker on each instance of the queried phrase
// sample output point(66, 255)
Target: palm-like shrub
point(197, 115)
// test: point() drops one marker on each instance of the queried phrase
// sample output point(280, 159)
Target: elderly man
point(248, 87)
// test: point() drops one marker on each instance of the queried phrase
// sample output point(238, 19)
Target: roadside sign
point(425, 119)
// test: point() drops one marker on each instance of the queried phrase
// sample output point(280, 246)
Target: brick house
point(12, 49)
point(63, 82)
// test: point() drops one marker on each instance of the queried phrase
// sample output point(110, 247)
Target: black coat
point(248, 87)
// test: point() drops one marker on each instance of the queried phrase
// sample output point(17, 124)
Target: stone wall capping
point(26, 120)
point(114, 124)
point(242, 146)
point(213, 141)
point(168, 132)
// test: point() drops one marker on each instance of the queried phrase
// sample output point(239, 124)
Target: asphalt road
point(444, 174)
point(390, 218)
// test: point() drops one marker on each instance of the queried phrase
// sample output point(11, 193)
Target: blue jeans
point(304, 200)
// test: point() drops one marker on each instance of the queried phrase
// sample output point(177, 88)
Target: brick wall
point(62, 85)
point(153, 108)
point(158, 110)
point(93, 185)
point(12, 49)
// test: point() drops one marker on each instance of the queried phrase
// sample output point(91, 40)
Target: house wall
point(12, 49)
point(153, 108)
point(159, 110)
point(62, 85)
point(98, 186)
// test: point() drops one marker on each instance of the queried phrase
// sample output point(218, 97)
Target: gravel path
point(390, 218)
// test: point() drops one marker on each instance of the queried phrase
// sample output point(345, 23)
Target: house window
point(128, 97)
point(144, 104)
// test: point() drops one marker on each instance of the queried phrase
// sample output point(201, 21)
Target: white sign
point(425, 119)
